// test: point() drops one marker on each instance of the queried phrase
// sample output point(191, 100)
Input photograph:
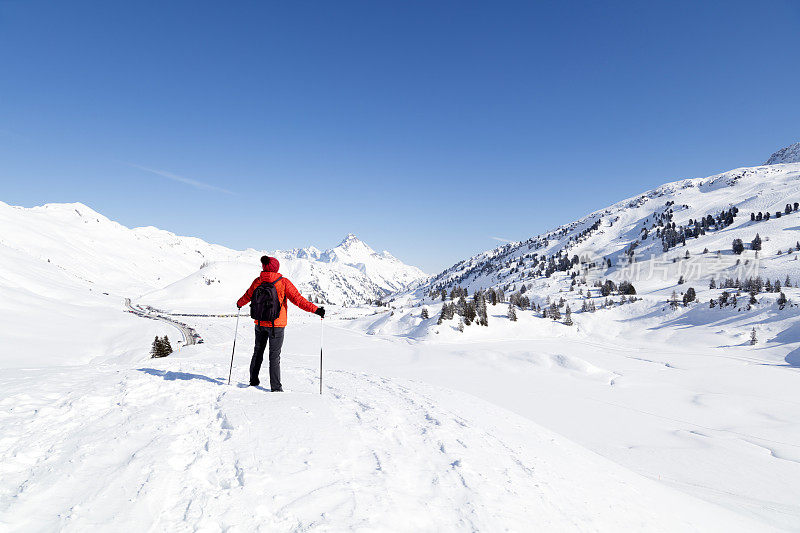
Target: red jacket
point(286, 291)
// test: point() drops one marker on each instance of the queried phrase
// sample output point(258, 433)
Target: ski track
point(146, 448)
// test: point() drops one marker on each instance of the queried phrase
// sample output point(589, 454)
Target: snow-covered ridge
point(92, 249)
point(607, 232)
point(789, 154)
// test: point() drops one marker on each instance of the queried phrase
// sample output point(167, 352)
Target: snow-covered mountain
point(654, 238)
point(348, 274)
point(385, 272)
point(788, 154)
point(101, 254)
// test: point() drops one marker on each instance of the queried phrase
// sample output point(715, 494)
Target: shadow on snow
point(184, 376)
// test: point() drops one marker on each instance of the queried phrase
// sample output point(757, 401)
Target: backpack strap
point(280, 277)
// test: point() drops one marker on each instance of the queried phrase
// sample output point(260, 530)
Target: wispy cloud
point(181, 179)
point(502, 239)
point(12, 135)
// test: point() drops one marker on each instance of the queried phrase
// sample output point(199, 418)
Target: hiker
point(270, 303)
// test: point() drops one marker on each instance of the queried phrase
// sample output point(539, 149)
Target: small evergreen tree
point(512, 313)
point(470, 314)
point(753, 339)
point(568, 317)
point(782, 301)
point(161, 347)
point(167, 345)
point(155, 350)
point(689, 296)
point(626, 287)
point(738, 246)
point(723, 298)
point(424, 314)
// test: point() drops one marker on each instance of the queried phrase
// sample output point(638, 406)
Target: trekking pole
point(235, 331)
point(321, 331)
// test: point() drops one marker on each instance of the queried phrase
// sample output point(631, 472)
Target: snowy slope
point(789, 154)
point(608, 234)
point(92, 249)
point(50, 317)
point(166, 445)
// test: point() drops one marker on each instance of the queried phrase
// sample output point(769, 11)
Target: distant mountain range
point(89, 249)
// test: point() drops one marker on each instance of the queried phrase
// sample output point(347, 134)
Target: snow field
point(166, 445)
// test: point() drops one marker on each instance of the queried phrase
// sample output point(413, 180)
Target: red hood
point(269, 276)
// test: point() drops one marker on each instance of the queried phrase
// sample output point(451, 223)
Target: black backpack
point(265, 305)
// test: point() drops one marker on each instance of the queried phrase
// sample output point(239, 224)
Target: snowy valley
point(571, 381)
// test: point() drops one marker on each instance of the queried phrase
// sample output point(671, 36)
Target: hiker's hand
point(320, 311)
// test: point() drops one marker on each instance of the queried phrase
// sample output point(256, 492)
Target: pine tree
point(167, 346)
point(155, 350)
point(160, 347)
point(461, 306)
point(712, 284)
point(512, 313)
point(673, 301)
point(781, 301)
point(689, 296)
point(738, 246)
point(753, 339)
point(568, 317)
point(723, 298)
point(424, 314)
point(470, 313)
point(480, 308)
point(755, 244)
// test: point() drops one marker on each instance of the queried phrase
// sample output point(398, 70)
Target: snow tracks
point(166, 446)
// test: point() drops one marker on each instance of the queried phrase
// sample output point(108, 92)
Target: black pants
point(275, 338)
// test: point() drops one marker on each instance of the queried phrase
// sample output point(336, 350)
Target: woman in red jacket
point(272, 331)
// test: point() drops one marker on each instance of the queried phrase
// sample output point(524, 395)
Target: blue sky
point(427, 128)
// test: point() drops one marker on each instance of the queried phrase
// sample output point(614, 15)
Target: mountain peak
point(789, 154)
point(351, 240)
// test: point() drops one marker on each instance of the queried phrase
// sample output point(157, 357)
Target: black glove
point(320, 311)
point(238, 307)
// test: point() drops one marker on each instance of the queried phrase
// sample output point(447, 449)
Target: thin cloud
point(502, 239)
point(181, 179)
